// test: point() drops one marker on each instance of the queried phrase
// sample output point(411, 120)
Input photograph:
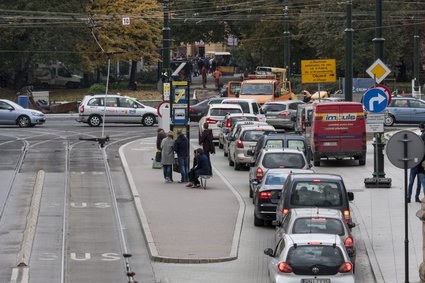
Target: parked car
point(405, 110)
point(282, 114)
point(198, 110)
point(267, 194)
point(314, 190)
point(227, 123)
point(245, 139)
point(215, 114)
point(310, 258)
point(280, 140)
point(233, 130)
point(249, 106)
point(14, 114)
point(270, 158)
point(118, 109)
point(318, 220)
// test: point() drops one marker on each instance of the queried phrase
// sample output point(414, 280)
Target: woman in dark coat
point(201, 168)
point(207, 143)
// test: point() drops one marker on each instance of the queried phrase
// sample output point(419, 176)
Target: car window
point(252, 135)
point(417, 104)
point(4, 105)
point(275, 179)
point(274, 107)
point(400, 103)
point(98, 101)
point(280, 246)
point(244, 105)
point(215, 101)
point(274, 143)
point(126, 102)
point(318, 225)
point(223, 112)
point(283, 160)
point(293, 106)
point(311, 193)
point(302, 258)
point(255, 108)
point(256, 89)
point(111, 102)
point(296, 144)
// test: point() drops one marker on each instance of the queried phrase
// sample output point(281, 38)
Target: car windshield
point(252, 135)
point(318, 225)
point(244, 105)
point(223, 111)
point(275, 179)
point(257, 89)
point(327, 259)
point(274, 107)
point(283, 160)
point(315, 193)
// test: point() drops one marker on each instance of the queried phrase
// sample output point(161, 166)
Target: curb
point(150, 241)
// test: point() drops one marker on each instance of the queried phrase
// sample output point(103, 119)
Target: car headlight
point(37, 114)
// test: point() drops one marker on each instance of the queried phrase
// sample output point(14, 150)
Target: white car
point(215, 115)
point(119, 109)
point(310, 258)
point(249, 106)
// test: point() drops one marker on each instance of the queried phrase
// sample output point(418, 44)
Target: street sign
point(374, 128)
point(126, 21)
point(378, 71)
point(375, 100)
point(166, 91)
point(375, 123)
point(386, 90)
point(318, 71)
point(405, 146)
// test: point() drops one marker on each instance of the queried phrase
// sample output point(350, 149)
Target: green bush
point(97, 89)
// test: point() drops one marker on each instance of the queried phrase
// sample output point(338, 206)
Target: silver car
point(281, 113)
point(14, 114)
point(310, 258)
point(118, 109)
point(318, 220)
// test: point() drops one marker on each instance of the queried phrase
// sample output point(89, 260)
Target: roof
point(278, 136)
point(323, 176)
point(240, 99)
point(259, 81)
point(281, 150)
point(288, 171)
point(316, 212)
point(338, 103)
point(231, 115)
point(282, 102)
point(303, 239)
point(225, 106)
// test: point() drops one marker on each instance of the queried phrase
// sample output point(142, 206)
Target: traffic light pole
point(286, 53)
point(348, 87)
point(166, 30)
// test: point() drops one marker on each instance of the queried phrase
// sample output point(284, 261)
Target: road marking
point(15, 275)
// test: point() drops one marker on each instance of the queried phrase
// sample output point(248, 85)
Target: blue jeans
point(412, 177)
point(184, 168)
point(168, 171)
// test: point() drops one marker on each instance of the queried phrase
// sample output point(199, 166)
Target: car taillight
point(259, 174)
point(264, 195)
point(257, 119)
point(210, 121)
point(345, 267)
point(347, 216)
point(239, 144)
point(229, 124)
point(284, 267)
point(349, 243)
point(191, 110)
point(82, 109)
point(284, 113)
point(285, 211)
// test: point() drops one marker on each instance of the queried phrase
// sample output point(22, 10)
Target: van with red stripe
point(337, 130)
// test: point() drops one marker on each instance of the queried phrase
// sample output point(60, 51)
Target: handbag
point(176, 167)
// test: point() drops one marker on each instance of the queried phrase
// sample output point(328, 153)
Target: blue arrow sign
point(375, 100)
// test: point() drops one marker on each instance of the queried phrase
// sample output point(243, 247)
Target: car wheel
point(258, 221)
point(231, 163)
point(237, 166)
point(389, 120)
point(94, 121)
point(225, 152)
point(220, 145)
point(23, 121)
point(362, 160)
point(251, 193)
point(316, 161)
point(148, 120)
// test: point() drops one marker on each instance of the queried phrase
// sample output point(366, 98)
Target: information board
point(318, 71)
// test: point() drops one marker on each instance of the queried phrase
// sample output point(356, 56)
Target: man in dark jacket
point(207, 143)
point(181, 147)
point(202, 167)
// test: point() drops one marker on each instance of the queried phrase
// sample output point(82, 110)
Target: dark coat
point(203, 166)
point(181, 146)
point(206, 141)
point(161, 135)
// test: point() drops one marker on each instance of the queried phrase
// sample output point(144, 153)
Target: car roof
point(108, 95)
point(304, 239)
point(253, 127)
point(226, 106)
point(250, 123)
point(316, 212)
point(278, 136)
point(288, 150)
point(288, 171)
point(240, 99)
point(282, 102)
point(321, 176)
point(259, 81)
point(231, 115)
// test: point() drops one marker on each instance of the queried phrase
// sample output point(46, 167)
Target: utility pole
point(416, 51)
point(349, 53)
point(166, 43)
point(286, 53)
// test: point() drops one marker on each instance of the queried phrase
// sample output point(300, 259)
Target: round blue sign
point(375, 100)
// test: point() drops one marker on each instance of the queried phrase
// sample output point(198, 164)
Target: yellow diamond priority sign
point(378, 71)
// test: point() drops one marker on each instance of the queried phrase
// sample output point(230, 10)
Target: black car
point(198, 110)
point(314, 190)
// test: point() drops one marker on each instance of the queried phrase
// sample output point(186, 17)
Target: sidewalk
point(184, 225)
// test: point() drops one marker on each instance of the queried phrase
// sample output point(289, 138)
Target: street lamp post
point(349, 54)
point(286, 53)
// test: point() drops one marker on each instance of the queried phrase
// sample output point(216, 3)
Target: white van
point(248, 105)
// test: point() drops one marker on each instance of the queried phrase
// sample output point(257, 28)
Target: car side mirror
point(135, 106)
point(351, 225)
point(269, 252)
point(276, 223)
point(250, 152)
point(350, 196)
point(11, 108)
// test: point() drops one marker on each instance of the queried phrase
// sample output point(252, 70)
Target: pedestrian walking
point(167, 157)
point(201, 168)
point(204, 73)
point(217, 74)
point(181, 147)
point(418, 171)
point(207, 142)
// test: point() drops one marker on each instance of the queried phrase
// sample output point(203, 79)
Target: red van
point(337, 130)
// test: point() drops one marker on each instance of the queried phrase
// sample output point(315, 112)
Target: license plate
point(330, 143)
point(315, 280)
